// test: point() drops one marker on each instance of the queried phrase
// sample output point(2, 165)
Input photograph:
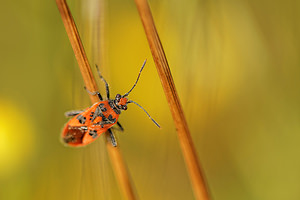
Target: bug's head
point(121, 102)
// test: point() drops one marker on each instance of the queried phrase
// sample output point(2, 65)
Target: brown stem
point(185, 140)
point(115, 155)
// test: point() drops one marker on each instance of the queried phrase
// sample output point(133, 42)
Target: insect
point(87, 125)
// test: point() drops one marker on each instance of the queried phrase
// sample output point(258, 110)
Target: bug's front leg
point(94, 93)
point(105, 82)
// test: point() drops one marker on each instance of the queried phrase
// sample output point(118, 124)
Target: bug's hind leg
point(113, 139)
point(94, 93)
point(73, 113)
point(106, 84)
point(120, 127)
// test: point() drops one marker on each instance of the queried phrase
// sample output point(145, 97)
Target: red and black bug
point(87, 125)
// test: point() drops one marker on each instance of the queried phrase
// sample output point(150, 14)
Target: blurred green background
point(236, 67)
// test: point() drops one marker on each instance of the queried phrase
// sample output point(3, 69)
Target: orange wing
point(87, 126)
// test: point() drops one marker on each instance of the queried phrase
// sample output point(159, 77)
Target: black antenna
point(130, 101)
point(136, 79)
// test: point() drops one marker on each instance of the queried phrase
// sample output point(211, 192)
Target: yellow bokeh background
point(236, 68)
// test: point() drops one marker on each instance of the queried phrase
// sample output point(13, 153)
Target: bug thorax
point(121, 102)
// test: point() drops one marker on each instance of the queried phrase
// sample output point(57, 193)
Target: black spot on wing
point(105, 120)
point(102, 107)
point(93, 133)
point(81, 119)
point(110, 118)
point(96, 113)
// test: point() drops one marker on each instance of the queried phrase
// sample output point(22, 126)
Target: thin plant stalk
point(188, 150)
point(117, 161)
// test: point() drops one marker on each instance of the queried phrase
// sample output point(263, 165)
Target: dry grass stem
point(115, 155)
point(185, 140)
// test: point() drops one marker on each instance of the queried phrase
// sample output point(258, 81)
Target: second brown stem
point(188, 150)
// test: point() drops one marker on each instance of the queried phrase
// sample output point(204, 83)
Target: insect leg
point(106, 84)
point(120, 126)
point(94, 93)
point(113, 139)
point(73, 113)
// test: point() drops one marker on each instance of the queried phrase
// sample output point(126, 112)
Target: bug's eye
point(124, 107)
point(118, 97)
